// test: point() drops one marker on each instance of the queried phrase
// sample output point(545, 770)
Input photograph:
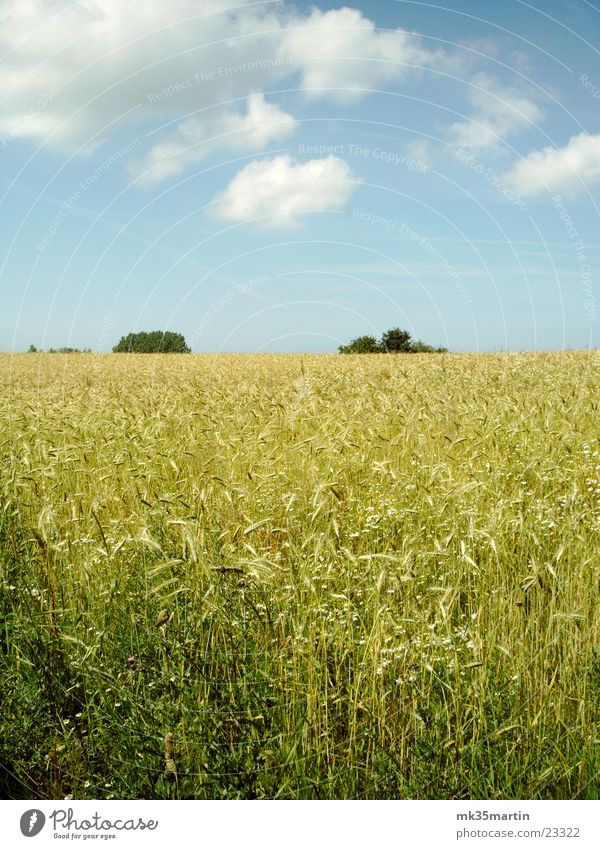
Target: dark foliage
point(361, 345)
point(155, 342)
point(394, 341)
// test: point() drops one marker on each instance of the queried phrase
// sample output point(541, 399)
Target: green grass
point(382, 576)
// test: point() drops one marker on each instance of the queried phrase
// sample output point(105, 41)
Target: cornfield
point(289, 576)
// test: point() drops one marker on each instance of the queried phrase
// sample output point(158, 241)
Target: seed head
point(163, 617)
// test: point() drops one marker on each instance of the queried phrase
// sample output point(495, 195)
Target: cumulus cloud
point(569, 169)
point(341, 49)
point(498, 113)
point(70, 73)
point(220, 129)
point(280, 190)
point(73, 74)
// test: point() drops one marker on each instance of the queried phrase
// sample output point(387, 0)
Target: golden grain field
point(295, 576)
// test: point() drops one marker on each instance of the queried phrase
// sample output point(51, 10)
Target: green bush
point(361, 345)
point(155, 342)
point(395, 341)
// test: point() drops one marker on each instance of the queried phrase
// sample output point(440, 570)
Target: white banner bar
point(306, 825)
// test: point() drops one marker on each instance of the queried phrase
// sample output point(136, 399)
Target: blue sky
point(269, 177)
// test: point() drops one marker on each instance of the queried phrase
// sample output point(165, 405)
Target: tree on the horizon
point(393, 341)
point(361, 345)
point(154, 342)
point(64, 350)
point(396, 340)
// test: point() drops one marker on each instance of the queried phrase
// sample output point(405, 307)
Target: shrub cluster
point(155, 342)
point(65, 350)
point(392, 341)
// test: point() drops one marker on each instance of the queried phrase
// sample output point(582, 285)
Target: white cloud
point(568, 169)
point(498, 113)
point(71, 74)
point(281, 190)
point(341, 49)
point(220, 129)
point(421, 151)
